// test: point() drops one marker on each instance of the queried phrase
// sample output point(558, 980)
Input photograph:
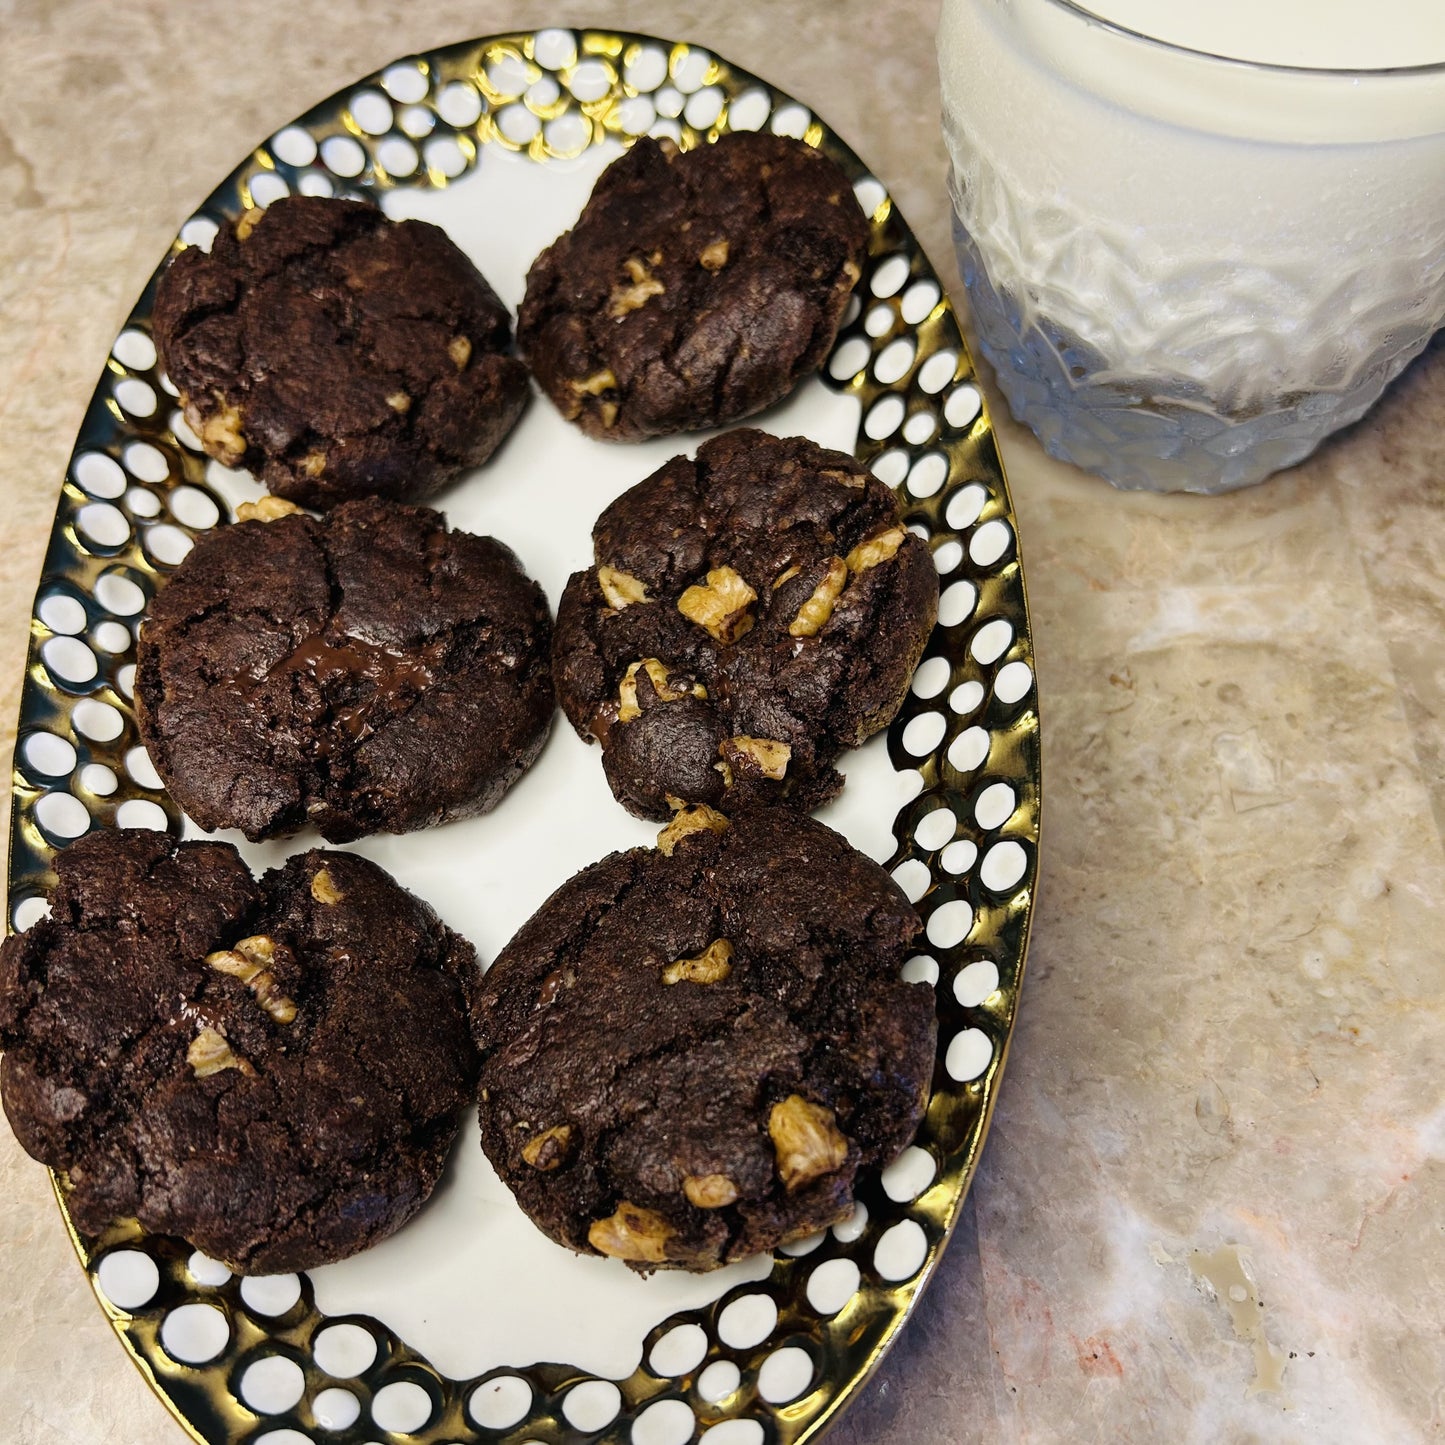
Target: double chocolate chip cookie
point(272, 1069)
point(689, 1053)
point(370, 671)
point(336, 353)
point(697, 288)
point(752, 613)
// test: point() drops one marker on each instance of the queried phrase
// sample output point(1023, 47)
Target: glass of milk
point(1194, 242)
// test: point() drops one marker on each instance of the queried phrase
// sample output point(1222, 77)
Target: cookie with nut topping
point(368, 671)
point(697, 288)
point(690, 1052)
point(751, 614)
point(273, 1069)
point(336, 353)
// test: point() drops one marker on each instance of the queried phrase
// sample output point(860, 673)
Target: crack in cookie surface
point(368, 671)
point(722, 1031)
point(767, 653)
point(337, 353)
point(697, 288)
point(147, 1056)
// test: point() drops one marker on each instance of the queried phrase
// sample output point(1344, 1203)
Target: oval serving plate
point(467, 1325)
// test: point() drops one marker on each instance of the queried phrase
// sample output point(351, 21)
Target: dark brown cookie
point(690, 1052)
point(697, 288)
point(370, 671)
point(338, 354)
point(272, 1069)
point(752, 614)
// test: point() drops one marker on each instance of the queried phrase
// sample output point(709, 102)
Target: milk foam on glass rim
point(1192, 253)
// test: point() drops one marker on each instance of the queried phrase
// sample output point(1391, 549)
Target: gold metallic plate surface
point(969, 726)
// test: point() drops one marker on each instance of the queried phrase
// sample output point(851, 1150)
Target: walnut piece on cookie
point(336, 353)
point(752, 613)
point(696, 288)
point(720, 1029)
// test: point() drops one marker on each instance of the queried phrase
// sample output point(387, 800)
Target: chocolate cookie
point(272, 1069)
point(697, 288)
point(367, 672)
point(752, 614)
point(689, 1053)
point(338, 354)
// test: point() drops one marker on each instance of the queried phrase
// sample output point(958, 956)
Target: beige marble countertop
point(1230, 1045)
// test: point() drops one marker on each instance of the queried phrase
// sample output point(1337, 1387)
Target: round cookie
point(272, 1069)
point(697, 288)
point(689, 1053)
point(368, 671)
point(336, 353)
point(752, 613)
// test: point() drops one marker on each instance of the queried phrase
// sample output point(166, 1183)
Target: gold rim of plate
point(552, 94)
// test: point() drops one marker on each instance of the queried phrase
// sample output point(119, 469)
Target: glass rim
point(1074, 7)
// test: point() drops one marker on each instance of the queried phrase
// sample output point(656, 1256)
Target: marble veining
point(1226, 1073)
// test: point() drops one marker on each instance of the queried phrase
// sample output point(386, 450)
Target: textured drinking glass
point(1187, 270)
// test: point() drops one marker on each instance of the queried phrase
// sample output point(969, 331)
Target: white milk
point(1242, 233)
point(1319, 34)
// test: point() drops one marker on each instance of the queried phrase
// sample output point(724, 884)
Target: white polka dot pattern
point(344, 1351)
point(668, 1422)
point(947, 556)
point(909, 1175)
point(1003, 866)
point(735, 1432)
point(459, 105)
point(969, 1052)
point(747, 1321)
point(923, 733)
point(102, 525)
point(833, 1284)
point(879, 321)
point(111, 637)
point(335, 1408)
point(956, 604)
point(785, 1374)
point(98, 779)
point(195, 1333)
point(969, 750)
point(935, 829)
point(852, 1228)
point(272, 1384)
point(98, 475)
point(141, 503)
point(206, 1271)
point(959, 856)
point(62, 613)
point(975, 981)
point(62, 816)
point(499, 1403)
point(920, 969)
point(128, 1278)
point(402, 1407)
point(928, 475)
point(139, 491)
point(270, 1294)
point(718, 1381)
point(681, 1350)
point(931, 677)
point(48, 755)
point(901, 1250)
point(592, 1405)
point(918, 429)
point(949, 923)
point(141, 813)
